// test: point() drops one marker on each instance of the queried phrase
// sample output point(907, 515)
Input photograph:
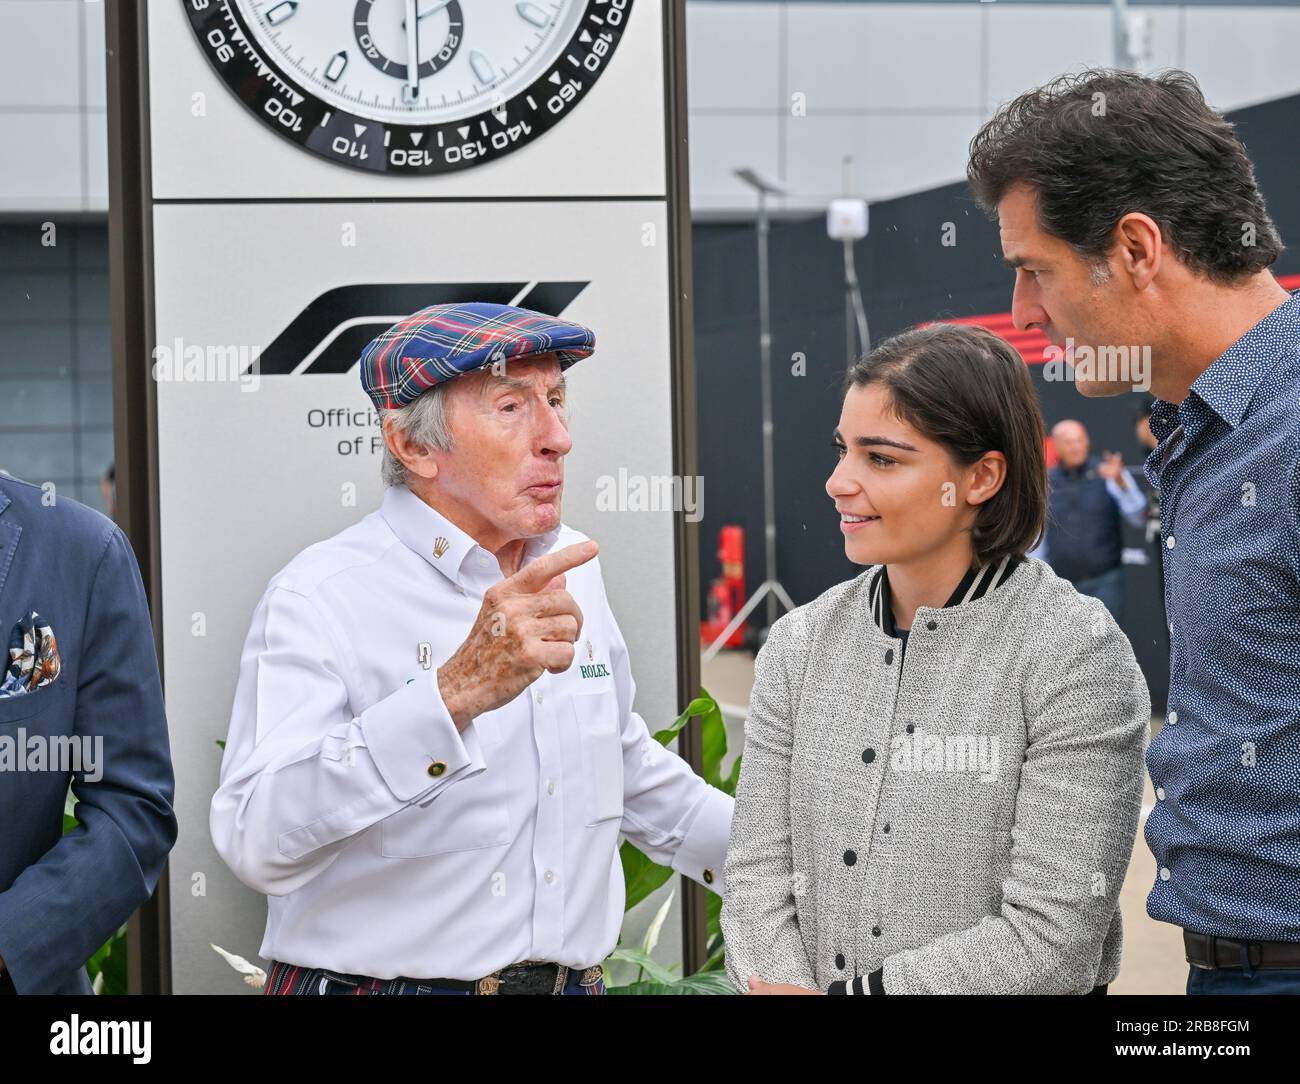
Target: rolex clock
point(409, 86)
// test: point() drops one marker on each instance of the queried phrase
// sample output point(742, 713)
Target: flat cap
point(444, 341)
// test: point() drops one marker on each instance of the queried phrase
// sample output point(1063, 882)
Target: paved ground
point(1153, 951)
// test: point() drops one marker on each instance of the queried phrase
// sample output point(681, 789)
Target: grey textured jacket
point(959, 823)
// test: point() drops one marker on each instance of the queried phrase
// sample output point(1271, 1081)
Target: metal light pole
point(770, 588)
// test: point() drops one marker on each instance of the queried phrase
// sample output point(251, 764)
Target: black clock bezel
point(295, 113)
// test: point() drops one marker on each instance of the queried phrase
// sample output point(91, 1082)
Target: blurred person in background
point(1087, 496)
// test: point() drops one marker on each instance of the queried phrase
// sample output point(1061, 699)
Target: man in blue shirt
point(1129, 211)
point(1087, 496)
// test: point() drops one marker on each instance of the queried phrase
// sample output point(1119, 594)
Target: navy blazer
point(62, 897)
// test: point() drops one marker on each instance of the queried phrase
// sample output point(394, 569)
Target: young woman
point(943, 757)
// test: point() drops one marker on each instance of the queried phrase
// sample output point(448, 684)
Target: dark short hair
point(967, 389)
point(1157, 148)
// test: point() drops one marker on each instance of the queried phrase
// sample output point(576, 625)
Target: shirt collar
point(1229, 384)
point(975, 584)
point(428, 533)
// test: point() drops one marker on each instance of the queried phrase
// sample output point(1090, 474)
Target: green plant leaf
point(652, 967)
point(711, 982)
point(110, 960)
point(640, 875)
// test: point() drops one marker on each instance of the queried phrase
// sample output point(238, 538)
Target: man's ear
point(1140, 247)
point(987, 476)
point(415, 457)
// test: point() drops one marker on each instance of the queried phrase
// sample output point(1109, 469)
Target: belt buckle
point(489, 984)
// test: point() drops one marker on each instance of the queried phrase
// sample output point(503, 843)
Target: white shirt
point(390, 844)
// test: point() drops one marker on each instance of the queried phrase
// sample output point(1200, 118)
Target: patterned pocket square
point(33, 657)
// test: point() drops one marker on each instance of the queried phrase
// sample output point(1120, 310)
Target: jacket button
point(875, 931)
point(849, 858)
point(932, 625)
point(889, 656)
point(708, 876)
point(868, 755)
point(437, 768)
point(910, 727)
point(839, 960)
point(886, 828)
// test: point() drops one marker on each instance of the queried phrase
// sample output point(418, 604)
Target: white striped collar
point(977, 583)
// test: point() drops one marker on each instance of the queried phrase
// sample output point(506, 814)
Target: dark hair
point(1102, 143)
point(969, 390)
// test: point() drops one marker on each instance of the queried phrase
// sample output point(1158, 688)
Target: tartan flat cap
point(444, 341)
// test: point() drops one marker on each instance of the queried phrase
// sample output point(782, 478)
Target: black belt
point(1214, 953)
point(522, 978)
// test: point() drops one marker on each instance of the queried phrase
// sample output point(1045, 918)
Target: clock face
point(409, 86)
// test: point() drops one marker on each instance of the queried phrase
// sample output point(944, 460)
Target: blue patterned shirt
point(1225, 830)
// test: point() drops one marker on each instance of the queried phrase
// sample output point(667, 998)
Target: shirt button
point(1160, 793)
point(1173, 717)
point(868, 755)
point(839, 960)
point(549, 876)
point(437, 768)
point(708, 876)
point(875, 931)
point(1164, 873)
point(1169, 542)
point(550, 786)
point(849, 858)
point(1171, 626)
point(539, 698)
point(932, 625)
point(889, 656)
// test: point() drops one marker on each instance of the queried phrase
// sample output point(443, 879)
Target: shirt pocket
point(601, 751)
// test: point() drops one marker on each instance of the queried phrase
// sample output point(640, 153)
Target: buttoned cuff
point(703, 850)
point(415, 744)
point(859, 984)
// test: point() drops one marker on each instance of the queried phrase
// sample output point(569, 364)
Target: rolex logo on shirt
point(440, 545)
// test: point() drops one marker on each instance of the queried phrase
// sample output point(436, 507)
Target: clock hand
point(429, 11)
point(412, 88)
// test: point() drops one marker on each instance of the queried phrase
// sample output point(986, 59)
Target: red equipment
point(727, 593)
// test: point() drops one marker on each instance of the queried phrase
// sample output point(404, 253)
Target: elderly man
point(1084, 542)
point(433, 755)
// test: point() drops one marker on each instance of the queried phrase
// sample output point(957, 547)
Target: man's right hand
point(527, 624)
